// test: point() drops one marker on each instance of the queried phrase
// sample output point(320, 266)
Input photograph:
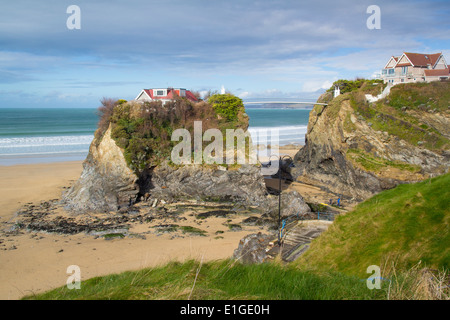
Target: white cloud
point(244, 94)
point(292, 47)
point(315, 85)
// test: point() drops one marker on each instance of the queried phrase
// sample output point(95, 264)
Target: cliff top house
point(415, 67)
point(166, 94)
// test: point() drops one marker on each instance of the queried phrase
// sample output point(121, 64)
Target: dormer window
point(160, 92)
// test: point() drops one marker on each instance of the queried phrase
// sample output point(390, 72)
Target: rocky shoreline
point(159, 217)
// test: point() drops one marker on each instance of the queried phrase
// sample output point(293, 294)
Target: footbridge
point(284, 102)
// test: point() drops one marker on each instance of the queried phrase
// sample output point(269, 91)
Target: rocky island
point(129, 160)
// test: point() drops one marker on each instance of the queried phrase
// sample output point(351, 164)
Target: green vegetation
point(144, 131)
point(369, 86)
point(389, 115)
point(184, 229)
point(402, 226)
point(227, 105)
point(193, 231)
point(110, 236)
point(218, 280)
point(167, 228)
point(422, 96)
point(375, 164)
point(234, 226)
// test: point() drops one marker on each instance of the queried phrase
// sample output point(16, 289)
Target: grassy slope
point(387, 114)
point(404, 225)
point(219, 280)
point(402, 114)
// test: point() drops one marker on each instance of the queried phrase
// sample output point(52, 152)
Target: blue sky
point(255, 49)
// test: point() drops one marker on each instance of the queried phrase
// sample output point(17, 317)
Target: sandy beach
point(32, 262)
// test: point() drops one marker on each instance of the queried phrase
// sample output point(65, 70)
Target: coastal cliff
point(356, 149)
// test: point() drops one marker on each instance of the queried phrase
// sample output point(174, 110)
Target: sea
point(35, 135)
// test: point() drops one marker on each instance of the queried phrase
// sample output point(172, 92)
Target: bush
point(227, 105)
point(105, 111)
point(352, 85)
point(144, 131)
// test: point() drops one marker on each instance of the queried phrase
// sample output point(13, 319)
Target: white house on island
point(164, 95)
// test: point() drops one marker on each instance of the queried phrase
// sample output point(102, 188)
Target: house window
point(160, 92)
point(404, 70)
point(391, 71)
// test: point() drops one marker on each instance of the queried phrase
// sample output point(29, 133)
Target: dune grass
point(222, 280)
point(402, 226)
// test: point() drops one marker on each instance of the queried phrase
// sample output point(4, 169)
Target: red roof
point(191, 96)
point(437, 72)
point(421, 59)
point(149, 92)
point(170, 94)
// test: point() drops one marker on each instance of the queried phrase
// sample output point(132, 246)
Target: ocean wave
point(44, 145)
point(17, 146)
point(50, 153)
point(45, 141)
point(278, 135)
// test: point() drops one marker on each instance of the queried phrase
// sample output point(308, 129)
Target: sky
point(254, 49)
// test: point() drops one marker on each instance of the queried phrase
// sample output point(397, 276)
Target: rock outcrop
point(357, 149)
point(252, 249)
point(292, 203)
point(245, 184)
point(112, 178)
point(106, 182)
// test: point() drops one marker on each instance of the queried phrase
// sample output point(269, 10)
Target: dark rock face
point(252, 249)
point(323, 165)
point(244, 185)
point(107, 184)
point(292, 203)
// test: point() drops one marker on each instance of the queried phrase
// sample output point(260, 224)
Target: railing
point(399, 75)
point(284, 102)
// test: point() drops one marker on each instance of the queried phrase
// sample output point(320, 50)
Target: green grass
point(402, 226)
point(218, 280)
point(375, 164)
point(193, 231)
point(436, 95)
point(387, 115)
point(110, 236)
point(184, 229)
